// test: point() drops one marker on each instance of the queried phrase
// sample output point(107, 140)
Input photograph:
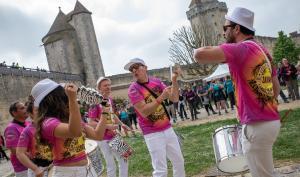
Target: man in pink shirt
point(256, 88)
point(147, 95)
point(12, 134)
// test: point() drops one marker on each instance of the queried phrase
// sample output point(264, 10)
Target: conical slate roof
point(79, 8)
point(60, 24)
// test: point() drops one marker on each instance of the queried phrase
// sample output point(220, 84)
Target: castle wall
point(63, 53)
point(268, 42)
point(92, 64)
point(16, 84)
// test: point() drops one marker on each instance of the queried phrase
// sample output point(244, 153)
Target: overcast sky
point(125, 28)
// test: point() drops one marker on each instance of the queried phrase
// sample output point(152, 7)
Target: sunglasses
point(134, 66)
point(226, 26)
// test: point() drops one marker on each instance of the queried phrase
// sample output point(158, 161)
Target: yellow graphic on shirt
point(159, 113)
point(73, 146)
point(261, 83)
point(43, 151)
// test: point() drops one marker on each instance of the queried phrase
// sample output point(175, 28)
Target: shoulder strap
point(267, 59)
point(155, 96)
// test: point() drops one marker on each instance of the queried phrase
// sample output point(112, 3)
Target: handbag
point(179, 136)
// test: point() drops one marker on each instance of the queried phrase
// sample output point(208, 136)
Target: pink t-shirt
point(12, 134)
point(252, 79)
point(63, 150)
point(158, 121)
point(95, 113)
point(27, 140)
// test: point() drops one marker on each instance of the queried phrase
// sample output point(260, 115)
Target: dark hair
point(13, 108)
point(244, 30)
point(55, 104)
point(29, 104)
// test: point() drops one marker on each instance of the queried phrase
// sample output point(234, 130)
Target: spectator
point(281, 82)
point(171, 110)
point(219, 96)
point(2, 152)
point(203, 93)
point(191, 99)
point(289, 73)
point(132, 115)
point(181, 107)
point(230, 91)
point(125, 119)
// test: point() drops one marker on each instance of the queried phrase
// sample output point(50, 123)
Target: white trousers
point(109, 156)
point(163, 145)
point(77, 171)
point(32, 174)
point(258, 140)
point(22, 174)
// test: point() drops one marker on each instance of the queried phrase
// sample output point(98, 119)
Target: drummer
point(35, 158)
point(95, 114)
point(58, 123)
point(256, 88)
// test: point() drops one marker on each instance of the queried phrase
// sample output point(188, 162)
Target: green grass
point(198, 150)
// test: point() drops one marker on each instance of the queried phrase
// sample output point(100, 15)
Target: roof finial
point(59, 8)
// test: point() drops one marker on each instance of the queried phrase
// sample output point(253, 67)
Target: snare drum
point(94, 157)
point(228, 149)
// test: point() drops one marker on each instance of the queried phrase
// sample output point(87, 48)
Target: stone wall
point(16, 84)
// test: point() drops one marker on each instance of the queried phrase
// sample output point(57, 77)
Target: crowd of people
point(17, 66)
point(50, 129)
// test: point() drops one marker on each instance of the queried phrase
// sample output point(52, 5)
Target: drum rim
point(226, 126)
point(231, 172)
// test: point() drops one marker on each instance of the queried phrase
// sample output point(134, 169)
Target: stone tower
point(71, 45)
point(208, 15)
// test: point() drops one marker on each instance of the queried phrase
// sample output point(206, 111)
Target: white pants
point(163, 145)
point(32, 174)
point(258, 140)
point(109, 155)
point(77, 171)
point(21, 174)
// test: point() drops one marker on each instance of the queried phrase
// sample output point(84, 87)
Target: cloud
point(124, 29)
point(20, 37)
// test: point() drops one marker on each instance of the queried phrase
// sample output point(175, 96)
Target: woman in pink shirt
point(58, 124)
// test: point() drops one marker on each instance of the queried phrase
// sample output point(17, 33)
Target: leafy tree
point(285, 47)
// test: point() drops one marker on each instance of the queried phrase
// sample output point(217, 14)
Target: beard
point(230, 38)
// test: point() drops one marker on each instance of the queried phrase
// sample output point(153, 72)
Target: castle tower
point(209, 16)
point(62, 50)
point(81, 20)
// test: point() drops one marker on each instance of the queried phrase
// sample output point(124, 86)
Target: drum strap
point(155, 96)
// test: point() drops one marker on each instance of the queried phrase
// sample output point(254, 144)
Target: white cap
point(100, 79)
point(42, 89)
point(243, 17)
point(134, 61)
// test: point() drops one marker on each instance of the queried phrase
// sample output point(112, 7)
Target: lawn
point(198, 150)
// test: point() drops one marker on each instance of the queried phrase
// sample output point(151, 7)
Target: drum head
point(90, 145)
point(233, 164)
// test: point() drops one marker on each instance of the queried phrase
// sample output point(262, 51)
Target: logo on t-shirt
point(159, 113)
point(261, 83)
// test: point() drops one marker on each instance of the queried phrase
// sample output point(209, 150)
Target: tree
point(285, 48)
point(183, 43)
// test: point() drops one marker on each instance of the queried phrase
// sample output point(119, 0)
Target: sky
point(125, 29)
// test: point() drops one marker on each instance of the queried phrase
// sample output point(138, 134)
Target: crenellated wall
point(16, 84)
